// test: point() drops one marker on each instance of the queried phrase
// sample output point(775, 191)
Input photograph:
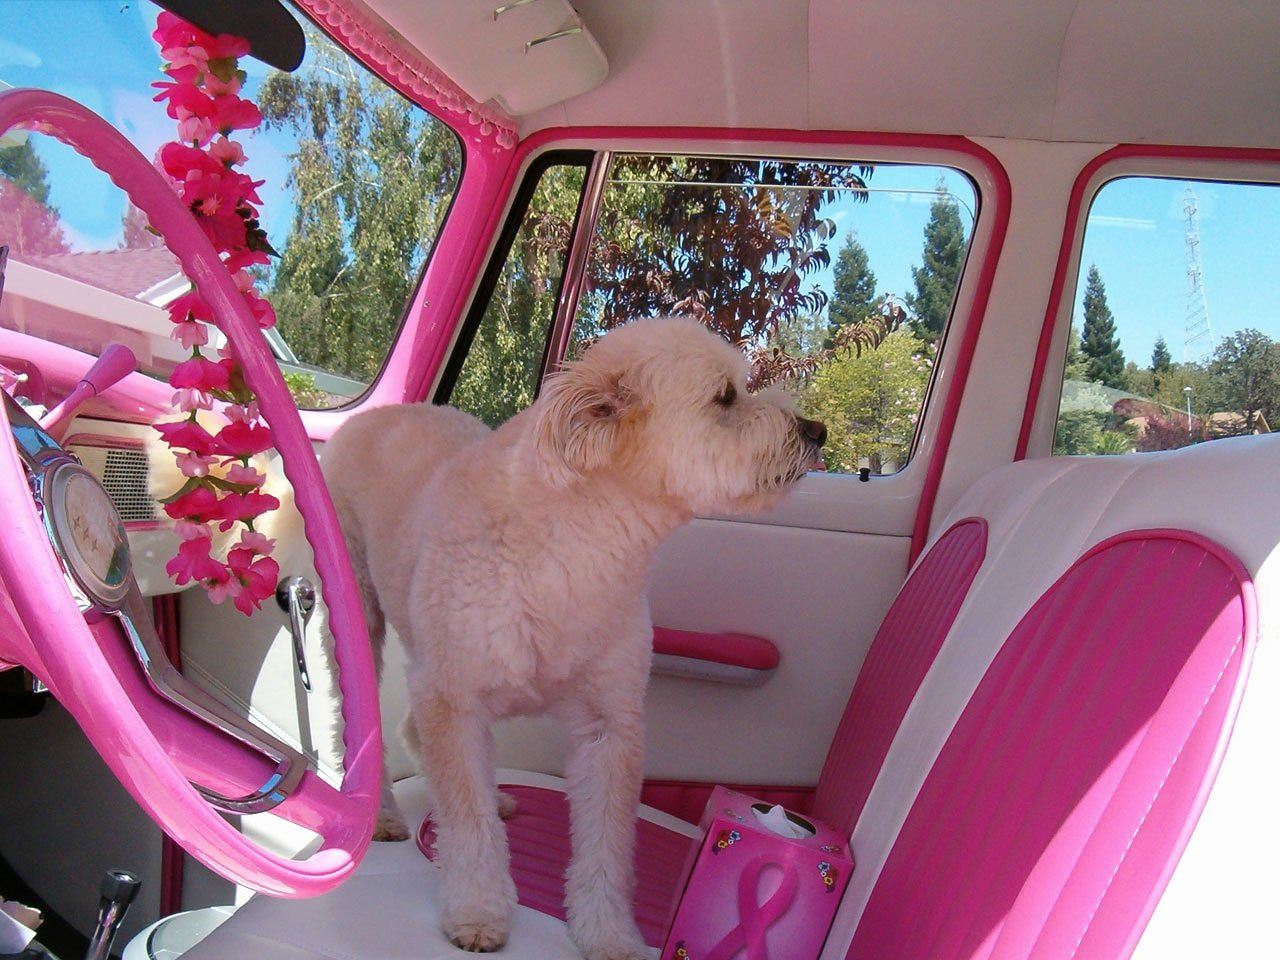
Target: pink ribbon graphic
point(755, 917)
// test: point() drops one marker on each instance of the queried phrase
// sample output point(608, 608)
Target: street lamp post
point(1186, 392)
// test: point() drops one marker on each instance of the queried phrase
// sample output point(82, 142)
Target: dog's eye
point(727, 395)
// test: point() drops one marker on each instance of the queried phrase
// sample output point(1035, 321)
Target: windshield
point(337, 148)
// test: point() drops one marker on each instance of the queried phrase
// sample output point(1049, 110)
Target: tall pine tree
point(1161, 359)
point(22, 166)
point(936, 278)
point(1161, 362)
point(853, 295)
point(28, 225)
point(1104, 361)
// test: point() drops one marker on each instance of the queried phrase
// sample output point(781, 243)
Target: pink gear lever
point(116, 363)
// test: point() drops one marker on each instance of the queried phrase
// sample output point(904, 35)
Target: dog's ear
point(578, 419)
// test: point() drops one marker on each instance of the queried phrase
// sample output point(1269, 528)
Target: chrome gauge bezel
point(87, 533)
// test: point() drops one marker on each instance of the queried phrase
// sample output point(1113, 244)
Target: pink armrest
point(725, 657)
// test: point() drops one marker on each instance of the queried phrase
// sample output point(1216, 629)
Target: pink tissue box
point(749, 886)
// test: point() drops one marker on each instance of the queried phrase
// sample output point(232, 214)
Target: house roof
point(128, 272)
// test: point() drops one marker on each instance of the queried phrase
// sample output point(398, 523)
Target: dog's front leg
point(604, 768)
point(477, 895)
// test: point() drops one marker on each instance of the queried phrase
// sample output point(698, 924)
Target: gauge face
point(87, 533)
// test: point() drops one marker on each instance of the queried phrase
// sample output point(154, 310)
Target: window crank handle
point(297, 597)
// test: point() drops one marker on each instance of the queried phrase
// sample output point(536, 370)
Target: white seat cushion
point(387, 911)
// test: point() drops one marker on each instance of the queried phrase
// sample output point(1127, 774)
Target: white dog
point(514, 565)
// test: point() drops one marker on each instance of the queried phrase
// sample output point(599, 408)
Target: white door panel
point(818, 595)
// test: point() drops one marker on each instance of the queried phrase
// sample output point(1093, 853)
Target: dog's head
point(663, 404)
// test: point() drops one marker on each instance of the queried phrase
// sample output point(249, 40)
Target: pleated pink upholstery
point(901, 654)
point(538, 836)
point(1051, 820)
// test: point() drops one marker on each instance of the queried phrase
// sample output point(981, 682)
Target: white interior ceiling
point(1181, 71)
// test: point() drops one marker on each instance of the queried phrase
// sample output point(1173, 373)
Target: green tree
point(1161, 364)
point(372, 176)
point(739, 244)
point(724, 239)
point(22, 166)
point(853, 297)
point(1161, 360)
point(499, 376)
point(1104, 361)
point(1075, 365)
point(1246, 376)
point(936, 278)
point(1077, 432)
point(27, 223)
point(870, 402)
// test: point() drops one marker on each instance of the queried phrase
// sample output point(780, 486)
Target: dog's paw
point(482, 934)
point(506, 805)
point(390, 827)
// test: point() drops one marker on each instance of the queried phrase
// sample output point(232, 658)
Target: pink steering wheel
point(160, 734)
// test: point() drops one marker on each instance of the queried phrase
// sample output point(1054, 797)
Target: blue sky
point(1135, 233)
point(111, 76)
point(890, 225)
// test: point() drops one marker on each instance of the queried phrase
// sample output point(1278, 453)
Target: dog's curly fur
point(514, 565)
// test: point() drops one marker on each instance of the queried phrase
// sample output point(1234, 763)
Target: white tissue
point(14, 936)
point(775, 819)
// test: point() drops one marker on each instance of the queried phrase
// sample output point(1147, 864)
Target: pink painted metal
point(149, 745)
point(116, 363)
point(136, 399)
point(900, 655)
point(1059, 805)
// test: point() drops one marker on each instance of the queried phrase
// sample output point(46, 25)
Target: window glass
point(499, 376)
point(1174, 329)
point(356, 183)
point(835, 278)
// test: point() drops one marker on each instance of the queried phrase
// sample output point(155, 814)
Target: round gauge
point(87, 533)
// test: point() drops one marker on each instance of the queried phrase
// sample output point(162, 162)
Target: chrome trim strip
point(575, 266)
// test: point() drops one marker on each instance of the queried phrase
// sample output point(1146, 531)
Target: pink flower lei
point(202, 94)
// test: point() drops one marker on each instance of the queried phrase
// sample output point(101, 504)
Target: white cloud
point(1125, 223)
point(13, 55)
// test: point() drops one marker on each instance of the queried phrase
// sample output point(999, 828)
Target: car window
point(1174, 330)
point(500, 371)
point(835, 278)
point(357, 181)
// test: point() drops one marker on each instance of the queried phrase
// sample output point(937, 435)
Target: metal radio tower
point(1197, 337)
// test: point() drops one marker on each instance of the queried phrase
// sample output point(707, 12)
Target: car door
point(854, 275)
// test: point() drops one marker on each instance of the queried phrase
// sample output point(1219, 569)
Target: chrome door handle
point(297, 597)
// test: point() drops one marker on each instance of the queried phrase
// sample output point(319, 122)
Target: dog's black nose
point(812, 430)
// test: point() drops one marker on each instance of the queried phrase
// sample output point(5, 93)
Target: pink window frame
point(1091, 179)
point(490, 181)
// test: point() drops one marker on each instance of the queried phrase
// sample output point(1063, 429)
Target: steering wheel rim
point(81, 673)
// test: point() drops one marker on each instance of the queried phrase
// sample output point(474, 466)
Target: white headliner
point(1177, 71)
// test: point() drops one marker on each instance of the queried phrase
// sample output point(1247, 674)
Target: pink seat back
point(900, 655)
point(1052, 818)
